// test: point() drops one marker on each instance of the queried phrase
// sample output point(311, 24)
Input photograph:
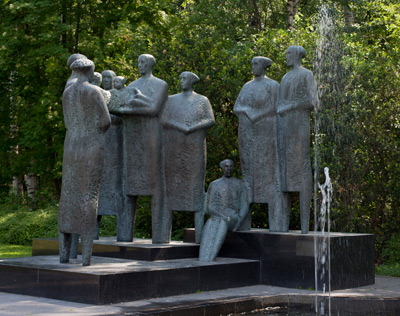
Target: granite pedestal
point(140, 270)
point(111, 280)
point(287, 259)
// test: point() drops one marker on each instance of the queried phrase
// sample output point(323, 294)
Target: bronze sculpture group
point(155, 145)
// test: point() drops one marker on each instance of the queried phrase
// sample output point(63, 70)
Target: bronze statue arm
point(208, 119)
point(308, 102)
point(140, 99)
point(144, 105)
point(114, 104)
point(66, 117)
point(301, 104)
point(175, 125)
point(259, 116)
point(213, 203)
point(187, 129)
point(285, 106)
point(102, 111)
point(205, 124)
point(269, 111)
point(240, 109)
point(65, 110)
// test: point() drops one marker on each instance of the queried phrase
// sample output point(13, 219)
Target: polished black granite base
point(111, 280)
point(139, 249)
point(278, 259)
point(287, 259)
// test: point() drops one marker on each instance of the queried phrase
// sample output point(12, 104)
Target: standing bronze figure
point(86, 119)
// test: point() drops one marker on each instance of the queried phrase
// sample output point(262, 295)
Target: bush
point(391, 250)
point(388, 269)
point(108, 226)
point(20, 226)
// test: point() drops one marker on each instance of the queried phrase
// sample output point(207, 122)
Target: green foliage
point(143, 218)
point(391, 250)
point(108, 226)
point(180, 221)
point(20, 226)
point(359, 133)
point(388, 269)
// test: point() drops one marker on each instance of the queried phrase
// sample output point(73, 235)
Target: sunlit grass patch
point(390, 269)
point(11, 251)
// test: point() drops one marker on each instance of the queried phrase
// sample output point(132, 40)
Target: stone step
point(139, 249)
point(113, 280)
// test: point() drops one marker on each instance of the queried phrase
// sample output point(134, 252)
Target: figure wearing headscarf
point(258, 142)
point(186, 118)
point(74, 77)
point(111, 190)
point(97, 78)
point(297, 98)
point(86, 119)
point(71, 80)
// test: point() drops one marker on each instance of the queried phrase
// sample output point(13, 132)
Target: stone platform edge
point(110, 280)
point(306, 303)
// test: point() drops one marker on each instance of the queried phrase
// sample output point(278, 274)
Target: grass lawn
point(10, 251)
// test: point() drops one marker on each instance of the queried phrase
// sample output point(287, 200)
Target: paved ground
point(11, 304)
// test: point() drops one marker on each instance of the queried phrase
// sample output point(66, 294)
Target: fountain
point(125, 271)
point(322, 247)
point(325, 54)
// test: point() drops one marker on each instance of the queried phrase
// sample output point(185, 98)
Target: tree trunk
point(348, 17)
point(17, 185)
point(18, 181)
point(78, 24)
point(291, 12)
point(256, 21)
point(32, 184)
point(57, 185)
point(63, 36)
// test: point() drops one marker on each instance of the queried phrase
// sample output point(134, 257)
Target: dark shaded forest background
point(353, 48)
